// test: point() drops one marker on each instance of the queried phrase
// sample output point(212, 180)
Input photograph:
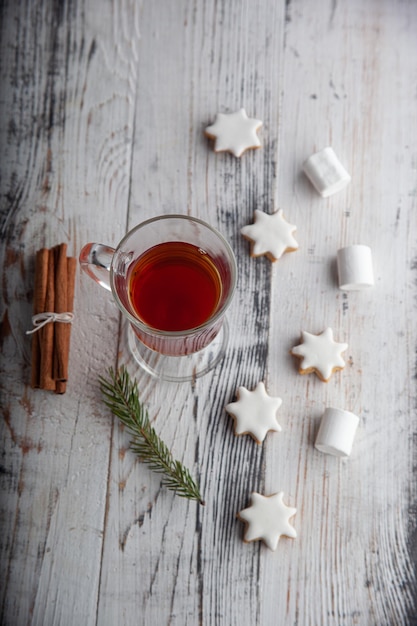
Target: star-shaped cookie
point(270, 235)
point(267, 519)
point(320, 354)
point(254, 412)
point(234, 132)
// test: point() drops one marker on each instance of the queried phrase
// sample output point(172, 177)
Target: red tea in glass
point(173, 278)
point(175, 286)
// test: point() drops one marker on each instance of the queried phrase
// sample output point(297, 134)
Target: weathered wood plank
point(210, 65)
point(67, 102)
point(355, 530)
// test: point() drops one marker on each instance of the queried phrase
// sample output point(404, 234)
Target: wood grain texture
point(102, 108)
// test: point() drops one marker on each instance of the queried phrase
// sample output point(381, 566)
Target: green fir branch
point(121, 395)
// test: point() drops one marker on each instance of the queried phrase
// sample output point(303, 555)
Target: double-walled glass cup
point(199, 269)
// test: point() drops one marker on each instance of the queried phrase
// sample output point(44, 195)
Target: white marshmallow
point(336, 432)
point(326, 172)
point(354, 267)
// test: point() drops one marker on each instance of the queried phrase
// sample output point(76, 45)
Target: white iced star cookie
point(320, 354)
point(254, 412)
point(234, 132)
point(270, 235)
point(267, 519)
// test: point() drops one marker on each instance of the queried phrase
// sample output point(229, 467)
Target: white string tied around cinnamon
point(41, 319)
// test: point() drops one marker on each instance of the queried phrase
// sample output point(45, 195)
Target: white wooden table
point(103, 106)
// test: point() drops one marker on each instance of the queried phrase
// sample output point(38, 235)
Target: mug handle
point(95, 259)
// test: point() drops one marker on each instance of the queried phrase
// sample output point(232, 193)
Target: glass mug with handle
point(173, 278)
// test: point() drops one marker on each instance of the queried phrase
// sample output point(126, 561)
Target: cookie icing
point(254, 412)
point(320, 354)
point(234, 132)
point(267, 519)
point(270, 235)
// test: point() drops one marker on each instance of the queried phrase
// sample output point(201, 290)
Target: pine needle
point(121, 395)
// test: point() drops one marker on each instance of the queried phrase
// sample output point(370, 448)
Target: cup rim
point(189, 331)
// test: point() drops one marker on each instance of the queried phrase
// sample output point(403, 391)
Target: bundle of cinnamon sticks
point(54, 292)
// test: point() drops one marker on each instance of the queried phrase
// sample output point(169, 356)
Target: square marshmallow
point(326, 173)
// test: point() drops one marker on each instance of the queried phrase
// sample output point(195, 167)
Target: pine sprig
point(121, 395)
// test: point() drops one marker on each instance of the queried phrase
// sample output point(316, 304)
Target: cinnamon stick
point(60, 329)
point(71, 271)
point(39, 297)
point(46, 334)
